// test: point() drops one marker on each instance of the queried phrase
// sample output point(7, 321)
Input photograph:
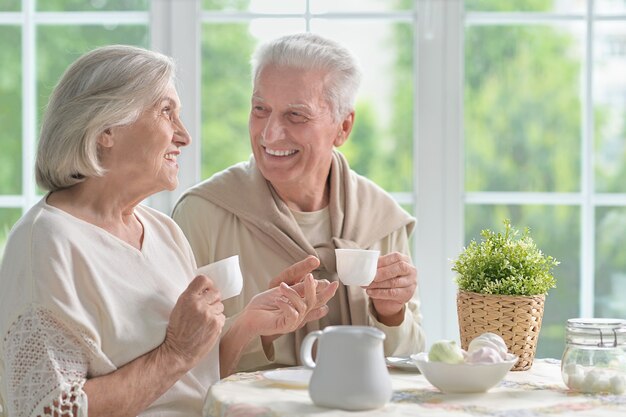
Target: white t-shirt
point(316, 227)
point(77, 302)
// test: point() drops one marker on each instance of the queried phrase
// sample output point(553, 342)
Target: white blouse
point(77, 302)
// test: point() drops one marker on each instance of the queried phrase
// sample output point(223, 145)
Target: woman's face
point(145, 153)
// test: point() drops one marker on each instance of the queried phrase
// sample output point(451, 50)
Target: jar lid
point(601, 332)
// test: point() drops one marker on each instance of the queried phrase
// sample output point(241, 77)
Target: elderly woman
point(100, 312)
point(297, 196)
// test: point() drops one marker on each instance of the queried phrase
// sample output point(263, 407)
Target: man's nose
point(273, 130)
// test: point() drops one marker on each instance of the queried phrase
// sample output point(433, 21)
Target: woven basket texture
point(517, 319)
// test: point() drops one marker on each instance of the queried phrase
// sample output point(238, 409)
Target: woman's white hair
point(107, 87)
point(309, 51)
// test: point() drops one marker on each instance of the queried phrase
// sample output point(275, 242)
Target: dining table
point(537, 392)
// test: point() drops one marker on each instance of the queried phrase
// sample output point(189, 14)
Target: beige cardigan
point(238, 212)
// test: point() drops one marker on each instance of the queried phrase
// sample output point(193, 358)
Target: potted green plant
point(503, 281)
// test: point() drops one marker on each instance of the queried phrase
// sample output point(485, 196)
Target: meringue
point(484, 354)
point(445, 351)
point(490, 340)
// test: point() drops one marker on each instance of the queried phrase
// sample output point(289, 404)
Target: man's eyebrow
point(300, 107)
point(294, 106)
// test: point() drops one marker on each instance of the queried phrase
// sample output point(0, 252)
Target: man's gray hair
point(309, 51)
point(107, 87)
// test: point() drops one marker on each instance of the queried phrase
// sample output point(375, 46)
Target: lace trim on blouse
point(46, 366)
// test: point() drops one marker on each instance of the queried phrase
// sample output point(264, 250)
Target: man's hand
point(296, 272)
point(393, 286)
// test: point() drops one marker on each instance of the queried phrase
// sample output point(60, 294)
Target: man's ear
point(345, 129)
point(106, 138)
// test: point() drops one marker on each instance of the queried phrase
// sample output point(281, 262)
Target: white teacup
point(226, 274)
point(356, 266)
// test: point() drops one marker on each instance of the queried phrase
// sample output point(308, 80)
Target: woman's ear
point(106, 138)
point(344, 129)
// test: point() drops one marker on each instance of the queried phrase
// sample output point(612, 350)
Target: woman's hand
point(195, 322)
point(284, 309)
point(294, 299)
point(195, 325)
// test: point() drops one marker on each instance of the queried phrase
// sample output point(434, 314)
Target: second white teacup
point(226, 274)
point(356, 266)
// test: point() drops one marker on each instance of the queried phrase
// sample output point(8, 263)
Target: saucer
point(402, 362)
point(298, 378)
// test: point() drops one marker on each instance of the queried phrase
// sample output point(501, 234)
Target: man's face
point(292, 131)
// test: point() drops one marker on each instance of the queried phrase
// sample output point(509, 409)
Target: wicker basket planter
point(517, 319)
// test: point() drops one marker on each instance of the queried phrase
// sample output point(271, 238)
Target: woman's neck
point(113, 212)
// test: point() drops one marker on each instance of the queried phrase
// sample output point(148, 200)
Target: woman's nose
point(181, 135)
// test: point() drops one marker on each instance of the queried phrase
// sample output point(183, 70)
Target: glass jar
point(594, 360)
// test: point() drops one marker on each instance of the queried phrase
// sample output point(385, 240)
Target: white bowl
point(463, 378)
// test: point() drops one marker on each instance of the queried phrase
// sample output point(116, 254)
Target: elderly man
point(297, 197)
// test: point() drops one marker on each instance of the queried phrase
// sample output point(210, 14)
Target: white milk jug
point(349, 371)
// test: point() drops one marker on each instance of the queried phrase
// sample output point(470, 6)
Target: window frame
point(438, 197)
point(587, 199)
point(175, 28)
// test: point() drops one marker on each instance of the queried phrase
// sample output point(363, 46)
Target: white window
point(469, 113)
point(544, 140)
point(39, 39)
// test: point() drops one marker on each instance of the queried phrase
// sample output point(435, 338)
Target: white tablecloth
point(537, 392)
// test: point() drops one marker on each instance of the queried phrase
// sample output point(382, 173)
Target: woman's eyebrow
point(171, 101)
